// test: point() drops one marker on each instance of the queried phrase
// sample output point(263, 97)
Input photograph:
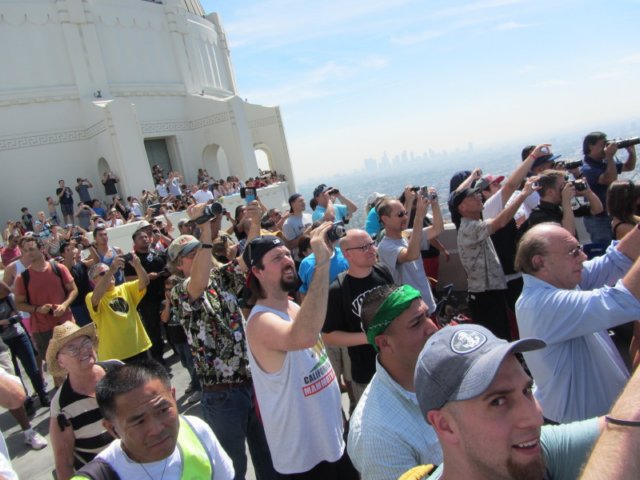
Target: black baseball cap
point(258, 248)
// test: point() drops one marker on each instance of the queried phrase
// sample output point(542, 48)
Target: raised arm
point(615, 455)
point(271, 334)
point(515, 179)
point(412, 252)
point(510, 210)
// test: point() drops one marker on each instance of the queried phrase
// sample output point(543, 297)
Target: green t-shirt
point(565, 449)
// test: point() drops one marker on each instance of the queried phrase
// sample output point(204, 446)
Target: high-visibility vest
point(196, 463)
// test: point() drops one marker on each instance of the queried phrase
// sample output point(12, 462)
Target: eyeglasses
point(364, 248)
point(102, 274)
point(74, 351)
point(401, 214)
point(575, 252)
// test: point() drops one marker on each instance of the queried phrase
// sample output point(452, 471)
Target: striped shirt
point(81, 413)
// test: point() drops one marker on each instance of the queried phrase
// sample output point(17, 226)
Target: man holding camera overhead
point(400, 249)
point(327, 209)
point(206, 301)
point(556, 194)
point(113, 308)
point(600, 169)
point(294, 380)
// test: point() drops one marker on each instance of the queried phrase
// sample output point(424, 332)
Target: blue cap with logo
point(460, 362)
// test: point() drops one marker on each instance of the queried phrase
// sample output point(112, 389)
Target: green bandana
point(391, 308)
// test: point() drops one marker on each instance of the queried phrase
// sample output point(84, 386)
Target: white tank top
point(300, 407)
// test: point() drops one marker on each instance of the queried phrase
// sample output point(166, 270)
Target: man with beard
point(473, 391)
point(206, 302)
point(295, 383)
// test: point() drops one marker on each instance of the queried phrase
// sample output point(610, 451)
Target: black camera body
point(629, 142)
point(580, 185)
point(336, 232)
point(210, 212)
point(127, 257)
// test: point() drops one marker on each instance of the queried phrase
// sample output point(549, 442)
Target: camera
point(424, 191)
point(544, 150)
point(629, 142)
point(580, 185)
point(336, 232)
point(77, 237)
point(127, 257)
point(210, 212)
point(567, 165)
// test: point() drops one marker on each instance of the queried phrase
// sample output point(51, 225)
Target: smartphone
point(249, 194)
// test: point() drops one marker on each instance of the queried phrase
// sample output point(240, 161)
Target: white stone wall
point(85, 80)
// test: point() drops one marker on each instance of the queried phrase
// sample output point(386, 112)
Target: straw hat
point(63, 334)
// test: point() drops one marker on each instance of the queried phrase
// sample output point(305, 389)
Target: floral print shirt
point(215, 326)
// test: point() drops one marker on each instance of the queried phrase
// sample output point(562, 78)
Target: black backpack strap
point(384, 272)
point(25, 279)
point(98, 469)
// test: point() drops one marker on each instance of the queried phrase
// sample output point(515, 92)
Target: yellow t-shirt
point(121, 333)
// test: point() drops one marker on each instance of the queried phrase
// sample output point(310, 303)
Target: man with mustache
point(295, 383)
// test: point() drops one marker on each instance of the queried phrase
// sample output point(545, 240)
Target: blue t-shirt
point(308, 265)
point(340, 211)
point(372, 225)
point(591, 170)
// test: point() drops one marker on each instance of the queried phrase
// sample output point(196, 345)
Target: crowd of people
point(278, 315)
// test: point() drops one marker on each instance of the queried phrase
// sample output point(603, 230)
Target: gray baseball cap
point(460, 362)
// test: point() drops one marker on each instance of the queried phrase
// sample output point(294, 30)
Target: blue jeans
point(232, 417)
point(22, 349)
point(186, 360)
point(599, 228)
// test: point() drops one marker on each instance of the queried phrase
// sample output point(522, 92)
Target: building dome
point(90, 86)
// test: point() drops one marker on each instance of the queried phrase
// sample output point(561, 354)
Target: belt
point(224, 387)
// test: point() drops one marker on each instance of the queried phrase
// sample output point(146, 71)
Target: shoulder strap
point(384, 272)
point(344, 289)
point(97, 469)
point(25, 279)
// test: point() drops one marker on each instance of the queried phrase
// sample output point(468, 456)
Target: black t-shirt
point(67, 197)
point(110, 186)
point(152, 262)
point(346, 318)
point(80, 274)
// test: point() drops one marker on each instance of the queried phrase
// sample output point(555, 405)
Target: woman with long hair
point(623, 197)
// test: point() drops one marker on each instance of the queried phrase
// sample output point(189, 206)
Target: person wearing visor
point(387, 435)
point(477, 397)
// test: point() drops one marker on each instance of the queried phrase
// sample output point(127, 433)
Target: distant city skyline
point(357, 79)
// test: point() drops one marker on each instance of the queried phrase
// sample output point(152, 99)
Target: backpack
point(26, 276)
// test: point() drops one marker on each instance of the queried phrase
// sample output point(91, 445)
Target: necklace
point(163, 469)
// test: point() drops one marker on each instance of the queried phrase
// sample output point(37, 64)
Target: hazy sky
point(357, 78)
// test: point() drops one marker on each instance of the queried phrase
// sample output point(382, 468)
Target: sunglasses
point(401, 214)
point(364, 248)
